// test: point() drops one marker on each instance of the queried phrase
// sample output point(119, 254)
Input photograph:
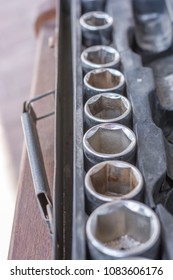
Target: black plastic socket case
point(149, 79)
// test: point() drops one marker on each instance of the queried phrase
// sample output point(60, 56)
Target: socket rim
point(116, 163)
point(107, 126)
point(108, 94)
point(114, 72)
point(98, 14)
point(133, 206)
point(109, 49)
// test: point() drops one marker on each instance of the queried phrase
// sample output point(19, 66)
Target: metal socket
point(153, 28)
point(93, 5)
point(96, 28)
point(123, 229)
point(111, 181)
point(110, 141)
point(103, 80)
point(107, 107)
point(100, 57)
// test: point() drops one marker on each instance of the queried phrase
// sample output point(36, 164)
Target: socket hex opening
point(114, 179)
point(123, 228)
point(104, 79)
point(96, 20)
point(128, 229)
point(106, 141)
point(109, 141)
point(111, 181)
point(100, 56)
point(107, 106)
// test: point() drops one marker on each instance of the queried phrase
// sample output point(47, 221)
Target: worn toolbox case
point(149, 77)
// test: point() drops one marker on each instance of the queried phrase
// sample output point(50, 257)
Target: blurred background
point(17, 51)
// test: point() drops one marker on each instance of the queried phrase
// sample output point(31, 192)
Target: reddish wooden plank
point(30, 237)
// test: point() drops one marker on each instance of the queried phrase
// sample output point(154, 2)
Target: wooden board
point(30, 237)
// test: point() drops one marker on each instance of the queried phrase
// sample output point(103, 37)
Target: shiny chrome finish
point(93, 5)
point(110, 141)
point(111, 181)
point(96, 28)
point(103, 80)
point(100, 57)
point(123, 229)
point(107, 107)
point(153, 29)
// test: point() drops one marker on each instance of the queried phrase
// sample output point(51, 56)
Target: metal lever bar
point(28, 105)
point(36, 161)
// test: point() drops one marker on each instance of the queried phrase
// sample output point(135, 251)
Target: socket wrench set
point(122, 72)
point(113, 184)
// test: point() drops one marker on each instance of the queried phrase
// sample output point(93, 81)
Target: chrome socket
point(93, 5)
point(97, 57)
point(103, 80)
point(97, 28)
point(110, 141)
point(123, 229)
point(107, 108)
point(112, 181)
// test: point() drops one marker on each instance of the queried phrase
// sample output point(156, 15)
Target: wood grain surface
point(30, 238)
